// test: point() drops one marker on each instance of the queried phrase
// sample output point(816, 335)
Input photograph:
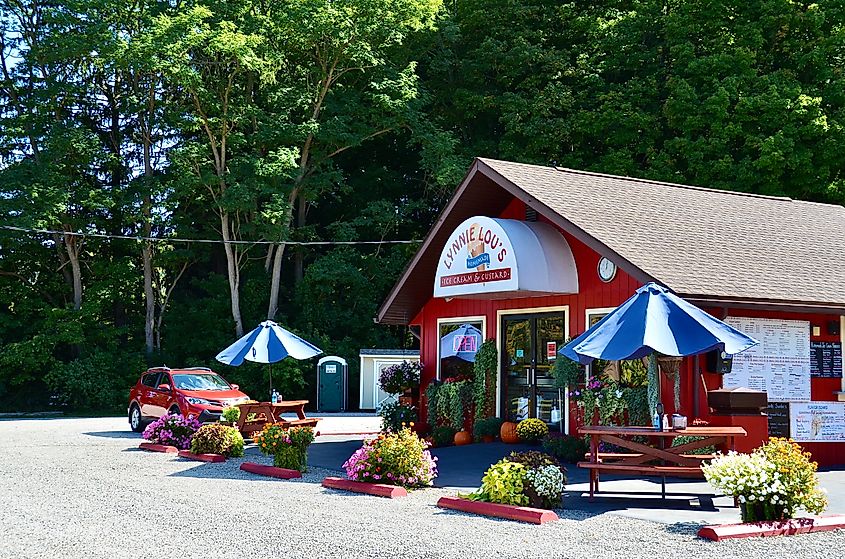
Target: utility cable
point(214, 241)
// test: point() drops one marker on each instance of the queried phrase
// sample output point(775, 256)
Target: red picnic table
point(646, 460)
point(267, 412)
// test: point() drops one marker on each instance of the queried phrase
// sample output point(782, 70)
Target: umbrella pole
point(653, 383)
point(270, 370)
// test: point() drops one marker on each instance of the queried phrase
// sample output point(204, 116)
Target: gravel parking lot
point(80, 488)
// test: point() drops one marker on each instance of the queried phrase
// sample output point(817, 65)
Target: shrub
point(400, 377)
point(394, 416)
point(288, 447)
point(531, 430)
point(503, 482)
point(565, 447)
point(214, 438)
point(172, 429)
point(232, 414)
point(545, 480)
point(523, 478)
point(488, 427)
point(400, 458)
point(800, 484)
point(443, 435)
point(771, 483)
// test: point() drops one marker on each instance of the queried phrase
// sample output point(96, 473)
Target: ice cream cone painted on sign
point(476, 248)
point(816, 425)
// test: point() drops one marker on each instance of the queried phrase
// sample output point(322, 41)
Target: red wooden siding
point(593, 293)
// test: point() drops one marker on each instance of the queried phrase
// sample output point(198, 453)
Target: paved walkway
point(461, 468)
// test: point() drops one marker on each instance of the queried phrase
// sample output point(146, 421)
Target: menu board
point(779, 364)
point(817, 421)
point(778, 414)
point(826, 359)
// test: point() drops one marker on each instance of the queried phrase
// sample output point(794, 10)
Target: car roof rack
point(159, 368)
point(197, 369)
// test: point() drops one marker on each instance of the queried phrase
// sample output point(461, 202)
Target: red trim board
point(377, 489)
point(270, 471)
point(498, 510)
point(153, 447)
point(202, 457)
point(774, 528)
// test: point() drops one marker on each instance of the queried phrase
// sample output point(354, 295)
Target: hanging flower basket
point(670, 365)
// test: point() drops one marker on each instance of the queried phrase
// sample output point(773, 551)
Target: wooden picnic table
point(642, 459)
point(268, 412)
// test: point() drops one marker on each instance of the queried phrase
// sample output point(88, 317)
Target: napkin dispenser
point(679, 421)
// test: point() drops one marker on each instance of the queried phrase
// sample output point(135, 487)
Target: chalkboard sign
point(778, 413)
point(826, 359)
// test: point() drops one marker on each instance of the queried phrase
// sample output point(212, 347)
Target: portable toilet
point(332, 378)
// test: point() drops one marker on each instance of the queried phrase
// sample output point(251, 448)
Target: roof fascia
point(427, 242)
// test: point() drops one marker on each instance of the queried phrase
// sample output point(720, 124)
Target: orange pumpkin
point(508, 433)
point(462, 438)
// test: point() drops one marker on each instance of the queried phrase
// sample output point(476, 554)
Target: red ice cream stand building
point(532, 256)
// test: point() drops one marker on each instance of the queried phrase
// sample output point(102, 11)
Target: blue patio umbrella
point(461, 343)
point(655, 320)
point(268, 343)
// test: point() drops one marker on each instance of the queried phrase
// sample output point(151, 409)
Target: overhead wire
point(210, 241)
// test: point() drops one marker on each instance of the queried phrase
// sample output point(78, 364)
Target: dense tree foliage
point(344, 120)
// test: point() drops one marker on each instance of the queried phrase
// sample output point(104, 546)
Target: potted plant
point(395, 416)
point(487, 429)
point(230, 416)
point(213, 438)
point(400, 378)
point(531, 430)
point(288, 447)
point(771, 483)
point(443, 436)
point(528, 478)
point(400, 458)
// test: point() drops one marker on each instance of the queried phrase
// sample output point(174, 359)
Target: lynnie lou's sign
point(504, 257)
point(478, 258)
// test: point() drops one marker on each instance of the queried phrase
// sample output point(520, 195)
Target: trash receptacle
point(332, 378)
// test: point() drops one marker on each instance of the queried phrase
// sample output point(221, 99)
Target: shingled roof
point(711, 246)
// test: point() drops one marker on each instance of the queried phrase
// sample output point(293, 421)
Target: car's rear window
point(149, 380)
point(201, 381)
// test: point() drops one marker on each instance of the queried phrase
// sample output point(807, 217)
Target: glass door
point(530, 347)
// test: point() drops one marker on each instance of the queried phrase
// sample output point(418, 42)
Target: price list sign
point(826, 359)
point(779, 365)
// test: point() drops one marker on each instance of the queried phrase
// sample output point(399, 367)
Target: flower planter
point(777, 528)
point(270, 471)
point(153, 447)
point(761, 512)
point(377, 489)
point(497, 510)
point(202, 457)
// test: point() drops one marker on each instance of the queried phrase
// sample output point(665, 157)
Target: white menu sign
point(779, 364)
point(817, 421)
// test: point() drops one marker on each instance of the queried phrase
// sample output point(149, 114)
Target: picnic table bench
point(267, 412)
point(646, 460)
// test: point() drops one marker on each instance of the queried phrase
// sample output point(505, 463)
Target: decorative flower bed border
point(508, 512)
point(202, 457)
point(377, 489)
point(153, 447)
point(270, 471)
point(777, 528)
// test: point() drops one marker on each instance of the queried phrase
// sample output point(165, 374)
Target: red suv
point(195, 392)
